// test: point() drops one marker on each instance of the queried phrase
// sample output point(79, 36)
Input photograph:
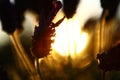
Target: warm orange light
point(70, 39)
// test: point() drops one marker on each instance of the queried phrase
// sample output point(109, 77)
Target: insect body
point(41, 42)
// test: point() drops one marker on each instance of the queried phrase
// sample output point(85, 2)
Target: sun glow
point(69, 39)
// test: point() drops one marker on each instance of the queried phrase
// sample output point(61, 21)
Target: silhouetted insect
point(41, 42)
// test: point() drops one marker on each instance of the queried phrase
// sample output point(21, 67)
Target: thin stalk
point(103, 75)
point(70, 68)
point(23, 56)
point(18, 51)
point(102, 23)
point(100, 32)
point(38, 69)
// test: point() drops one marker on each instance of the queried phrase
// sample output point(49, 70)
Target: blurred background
point(74, 51)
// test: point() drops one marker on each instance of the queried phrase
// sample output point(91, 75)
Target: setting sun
point(69, 39)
